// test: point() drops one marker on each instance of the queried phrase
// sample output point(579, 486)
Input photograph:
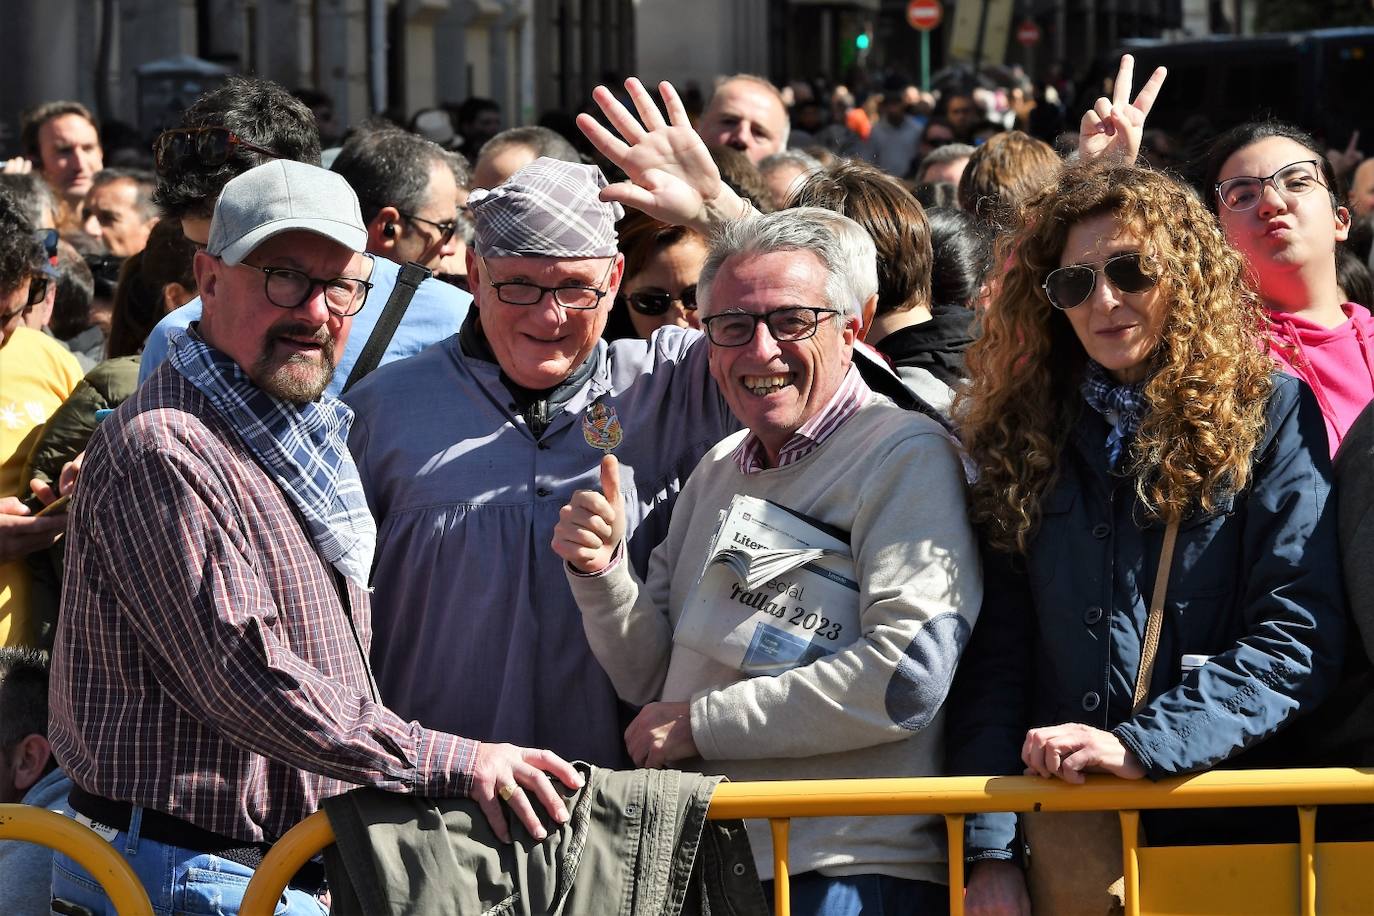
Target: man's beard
point(278, 378)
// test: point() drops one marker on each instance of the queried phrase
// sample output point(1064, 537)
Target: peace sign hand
point(1112, 127)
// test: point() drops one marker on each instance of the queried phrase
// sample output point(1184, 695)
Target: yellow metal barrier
point(1330, 878)
point(28, 824)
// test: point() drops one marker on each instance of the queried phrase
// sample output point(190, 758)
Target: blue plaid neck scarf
point(1122, 405)
point(301, 446)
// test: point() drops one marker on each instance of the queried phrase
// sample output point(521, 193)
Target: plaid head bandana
point(301, 446)
point(548, 209)
point(1122, 405)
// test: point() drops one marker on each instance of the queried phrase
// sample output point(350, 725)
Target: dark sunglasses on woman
point(199, 148)
point(1069, 287)
point(658, 303)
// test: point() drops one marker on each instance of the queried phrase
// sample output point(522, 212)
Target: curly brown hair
point(1205, 397)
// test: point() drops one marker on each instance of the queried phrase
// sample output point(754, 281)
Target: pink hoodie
point(1336, 363)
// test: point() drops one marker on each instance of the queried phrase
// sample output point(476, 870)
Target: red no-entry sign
point(1028, 33)
point(923, 15)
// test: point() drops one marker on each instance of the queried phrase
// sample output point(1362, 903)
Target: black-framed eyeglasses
point(199, 147)
point(38, 288)
point(571, 296)
point(1069, 287)
point(446, 229)
point(1293, 180)
point(289, 288)
point(735, 329)
point(654, 304)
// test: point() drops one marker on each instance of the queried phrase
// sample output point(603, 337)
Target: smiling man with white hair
point(848, 687)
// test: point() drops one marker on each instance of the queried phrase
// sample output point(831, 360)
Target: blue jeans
point(178, 881)
point(814, 894)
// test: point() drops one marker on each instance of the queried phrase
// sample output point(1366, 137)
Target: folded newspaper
point(778, 591)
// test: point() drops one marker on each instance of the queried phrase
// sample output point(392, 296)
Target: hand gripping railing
point(956, 796)
point(28, 824)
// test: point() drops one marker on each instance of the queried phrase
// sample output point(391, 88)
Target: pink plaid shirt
point(209, 663)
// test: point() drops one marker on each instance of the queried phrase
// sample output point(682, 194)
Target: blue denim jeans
point(178, 881)
point(814, 894)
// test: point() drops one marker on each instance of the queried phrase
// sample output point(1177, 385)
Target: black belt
point(166, 828)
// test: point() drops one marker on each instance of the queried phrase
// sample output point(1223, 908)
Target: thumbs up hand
point(592, 524)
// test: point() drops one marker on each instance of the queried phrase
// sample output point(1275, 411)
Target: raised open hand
point(672, 175)
point(1113, 127)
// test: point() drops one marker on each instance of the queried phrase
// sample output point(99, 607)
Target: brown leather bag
point(1075, 856)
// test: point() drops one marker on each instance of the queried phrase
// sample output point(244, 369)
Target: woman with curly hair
point(1117, 395)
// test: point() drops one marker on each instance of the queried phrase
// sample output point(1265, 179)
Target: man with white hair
point(810, 698)
point(746, 113)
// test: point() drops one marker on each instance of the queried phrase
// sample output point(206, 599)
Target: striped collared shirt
point(852, 394)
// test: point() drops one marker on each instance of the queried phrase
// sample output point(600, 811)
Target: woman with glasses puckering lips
point(1274, 194)
point(662, 263)
point(1116, 388)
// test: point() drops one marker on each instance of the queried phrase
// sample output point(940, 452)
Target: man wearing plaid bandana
point(210, 680)
point(468, 451)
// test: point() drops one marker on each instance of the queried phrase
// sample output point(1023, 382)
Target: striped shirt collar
point(751, 457)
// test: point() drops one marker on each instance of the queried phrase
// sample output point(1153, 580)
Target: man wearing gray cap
point(210, 682)
point(468, 451)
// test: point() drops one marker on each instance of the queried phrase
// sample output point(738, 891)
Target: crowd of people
point(405, 463)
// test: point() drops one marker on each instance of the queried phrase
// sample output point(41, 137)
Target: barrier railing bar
point(29, 824)
point(296, 847)
point(954, 827)
point(782, 879)
point(977, 794)
point(1307, 860)
point(1130, 859)
point(777, 801)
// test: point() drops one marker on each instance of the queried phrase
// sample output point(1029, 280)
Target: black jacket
point(936, 345)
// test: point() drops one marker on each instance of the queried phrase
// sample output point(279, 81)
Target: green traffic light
point(861, 42)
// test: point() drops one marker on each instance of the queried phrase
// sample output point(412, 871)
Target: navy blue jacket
point(1256, 585)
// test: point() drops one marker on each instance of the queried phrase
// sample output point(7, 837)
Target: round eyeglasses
point(735, 329)
point(1293, 180)
point(1069, 287)
point(289, 288)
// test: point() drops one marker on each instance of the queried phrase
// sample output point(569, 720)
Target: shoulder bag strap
point(411, 276)
point(1155, 623)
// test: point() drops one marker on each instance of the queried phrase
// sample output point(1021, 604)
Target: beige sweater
point(893, 480)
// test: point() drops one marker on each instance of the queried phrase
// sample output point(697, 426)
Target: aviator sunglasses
point(658, 303)
point(1069, 287)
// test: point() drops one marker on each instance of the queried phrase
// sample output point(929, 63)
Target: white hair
point(841, 245)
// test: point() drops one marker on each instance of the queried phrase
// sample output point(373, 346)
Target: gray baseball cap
point(281, 196)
